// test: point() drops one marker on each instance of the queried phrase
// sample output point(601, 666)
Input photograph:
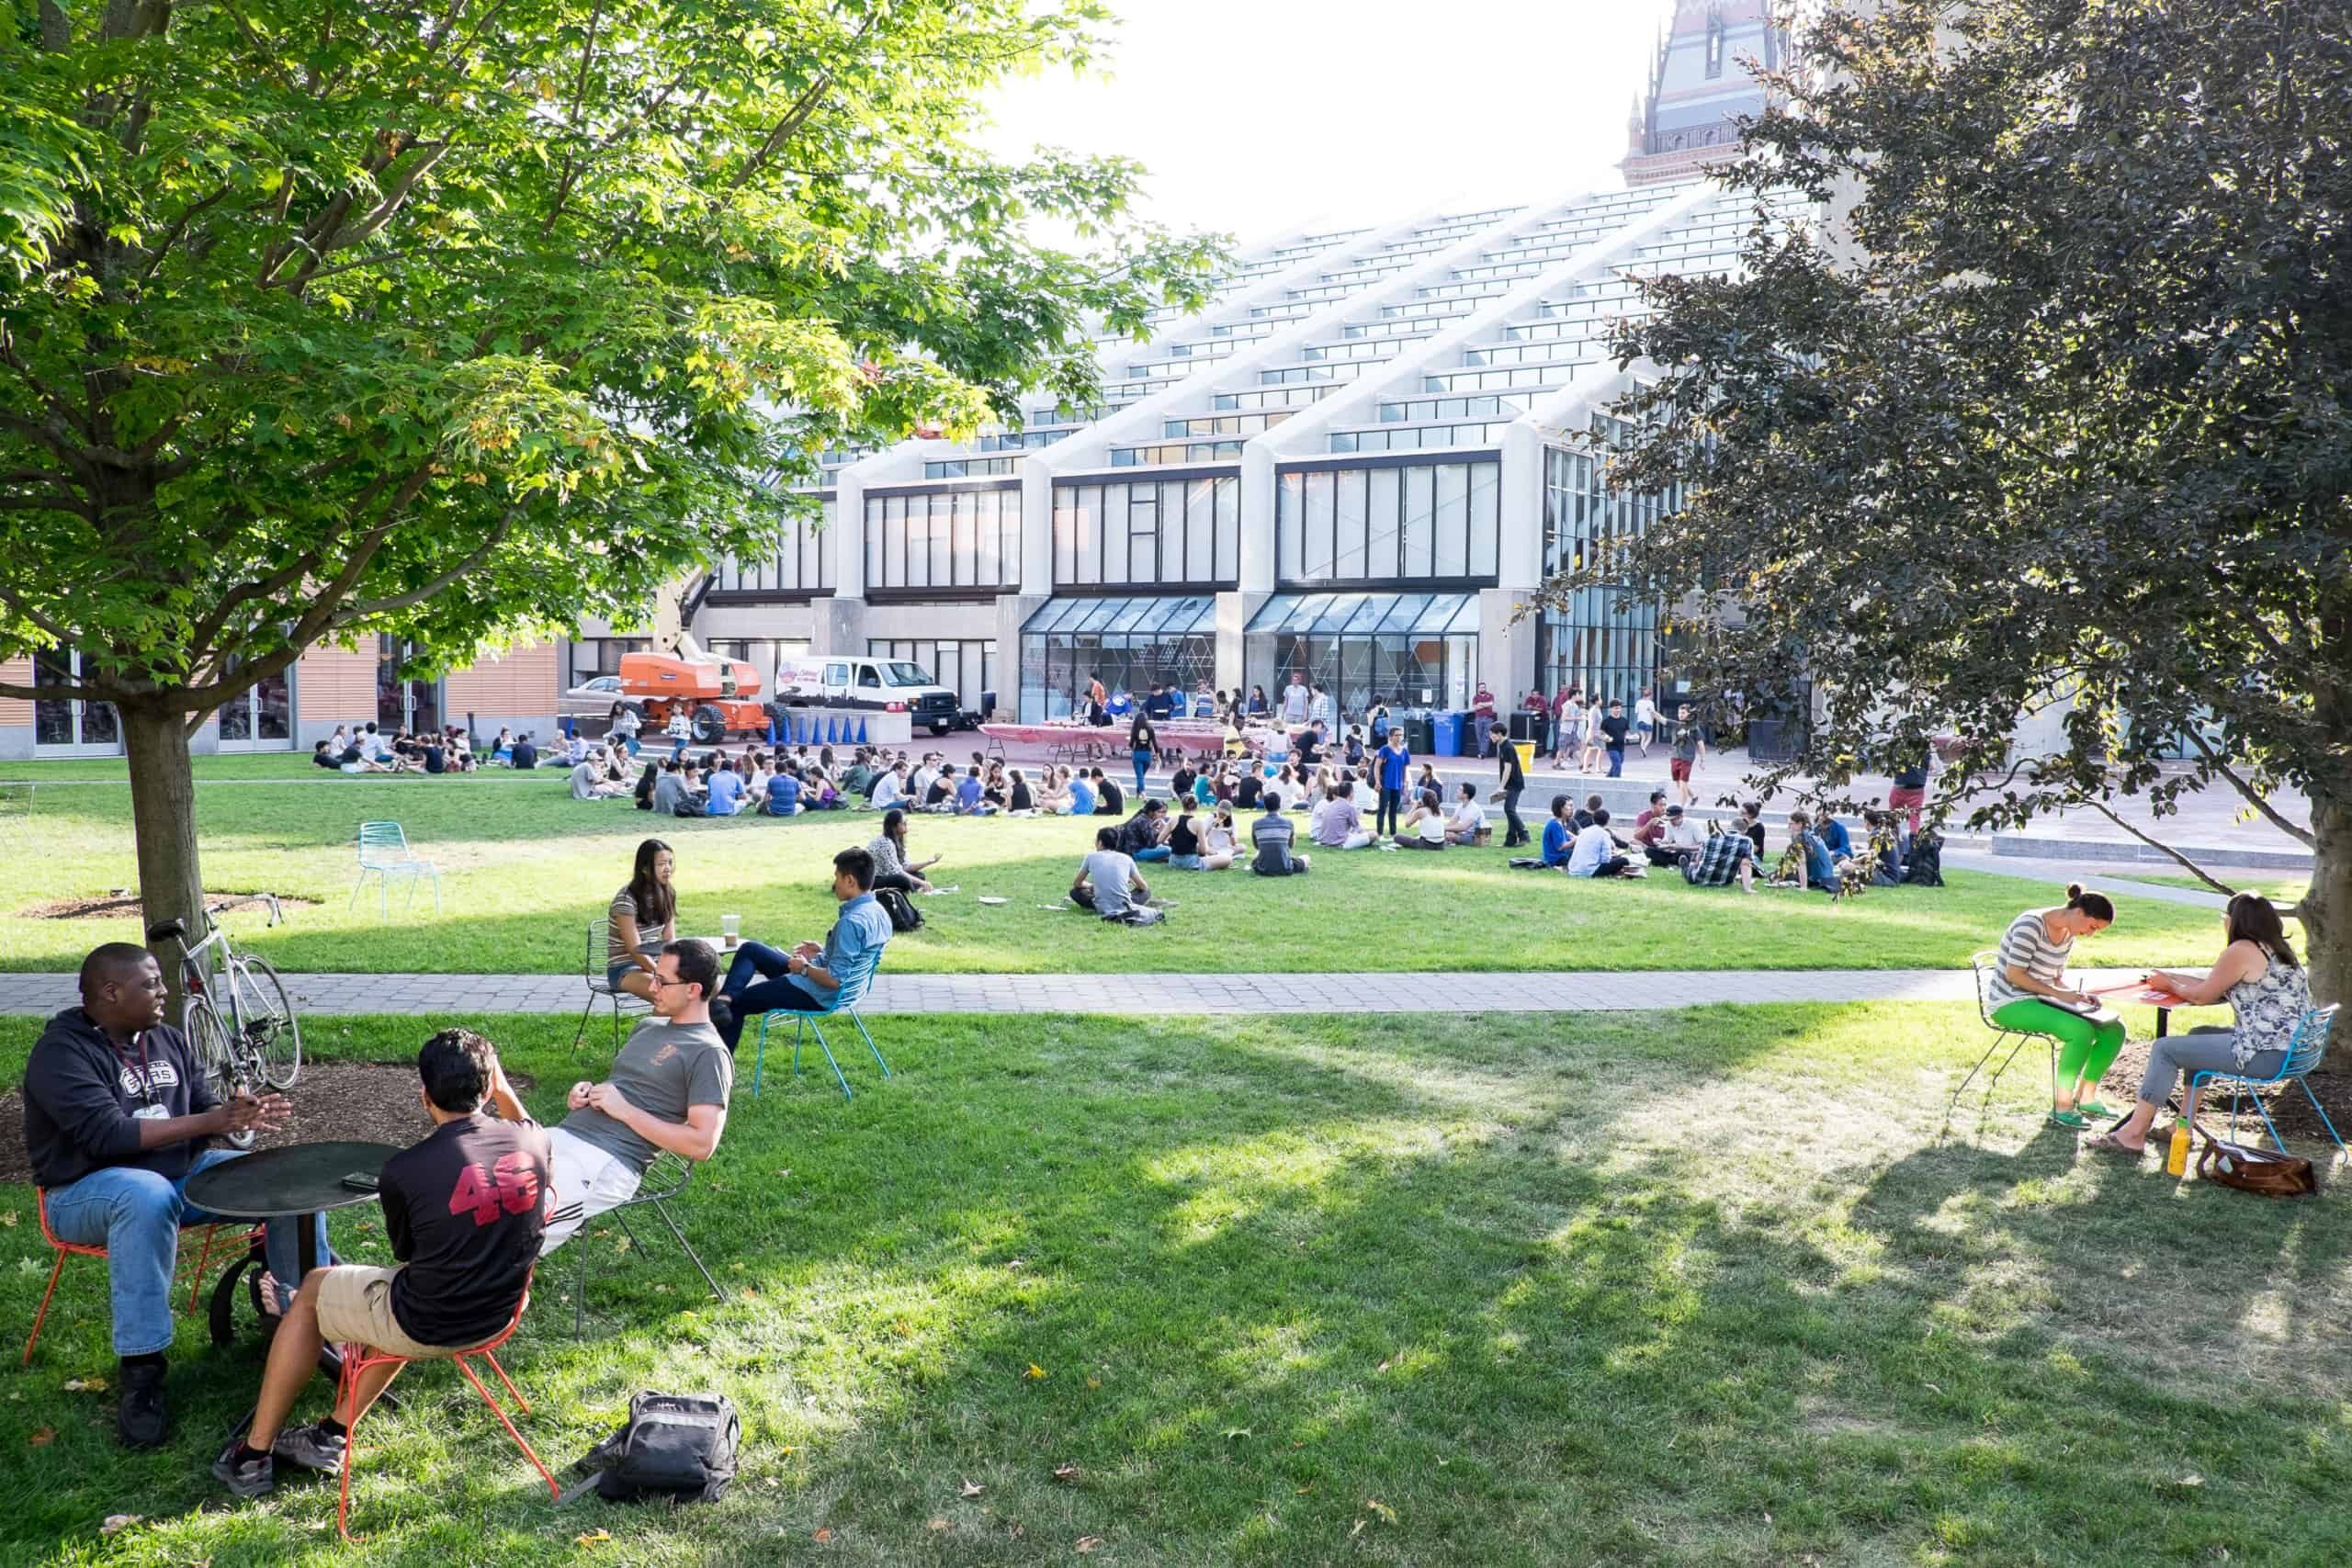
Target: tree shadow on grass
point(1285, 1279)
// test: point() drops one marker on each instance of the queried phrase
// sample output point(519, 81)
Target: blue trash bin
point(1447, 734)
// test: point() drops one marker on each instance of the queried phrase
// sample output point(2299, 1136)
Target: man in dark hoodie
point(117, 1113)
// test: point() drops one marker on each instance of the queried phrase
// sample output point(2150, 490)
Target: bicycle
point(261, 1041)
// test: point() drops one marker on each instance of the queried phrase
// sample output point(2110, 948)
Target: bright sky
point(1257, 115)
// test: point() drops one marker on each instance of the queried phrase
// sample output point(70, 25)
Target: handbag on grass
point(2259, 1171)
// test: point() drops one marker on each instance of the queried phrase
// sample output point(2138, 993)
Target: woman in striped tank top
point(2030, 993)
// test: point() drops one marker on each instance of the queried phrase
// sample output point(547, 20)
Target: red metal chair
point(357, 1358)
point(209, 1236)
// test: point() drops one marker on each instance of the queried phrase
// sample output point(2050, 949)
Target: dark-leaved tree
point(458, 320)
point(2049, 418)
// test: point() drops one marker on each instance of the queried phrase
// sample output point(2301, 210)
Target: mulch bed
point(125, 901)
point(2288, 1108)
point(331, 1099)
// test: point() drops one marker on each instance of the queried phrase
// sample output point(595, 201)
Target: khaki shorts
point(355, 1307)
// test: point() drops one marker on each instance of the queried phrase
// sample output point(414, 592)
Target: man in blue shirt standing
point(1394, 759)
point(811, 978)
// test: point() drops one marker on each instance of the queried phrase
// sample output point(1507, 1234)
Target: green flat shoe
point(2073, 1120)
point(2095, 1110)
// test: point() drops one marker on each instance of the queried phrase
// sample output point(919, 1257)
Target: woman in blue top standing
point(1393, 759)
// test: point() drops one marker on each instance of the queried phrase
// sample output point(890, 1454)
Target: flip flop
point(2107, 1144)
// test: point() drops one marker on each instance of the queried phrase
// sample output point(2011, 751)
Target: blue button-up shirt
point(852, 951)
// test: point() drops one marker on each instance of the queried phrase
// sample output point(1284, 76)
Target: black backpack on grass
point(680, 1447)
point(904, 916)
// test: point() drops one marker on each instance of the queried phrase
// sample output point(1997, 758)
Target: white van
point(893, 686)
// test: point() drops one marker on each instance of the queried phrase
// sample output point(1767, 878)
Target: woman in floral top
point(2264, 985)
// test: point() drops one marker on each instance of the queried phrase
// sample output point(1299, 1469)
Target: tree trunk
point(163, 819)
point(2327, 908)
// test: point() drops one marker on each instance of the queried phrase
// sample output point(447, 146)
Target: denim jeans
point(760, 980)
point(1617, 762)
point(137, 1216)
point(1156, 852)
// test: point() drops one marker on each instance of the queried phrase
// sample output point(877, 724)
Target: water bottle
point(2177, 1153)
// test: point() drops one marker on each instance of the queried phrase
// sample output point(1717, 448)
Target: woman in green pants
point(2030, 993)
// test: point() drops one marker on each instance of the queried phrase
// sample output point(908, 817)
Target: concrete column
point(849, 539)
point(1037, 565)
point(1233, 612)
point(1013, 610)
point(1519, 551)
point(1506, 645)
point(1258, 543)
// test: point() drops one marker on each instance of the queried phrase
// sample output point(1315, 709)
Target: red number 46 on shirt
point(511, 1185)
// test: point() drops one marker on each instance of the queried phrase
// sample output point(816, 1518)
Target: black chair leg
point(585, 1013)
point(579, 1286)
point(687, 1247)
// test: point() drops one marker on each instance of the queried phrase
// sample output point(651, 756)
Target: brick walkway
point(1148, 995)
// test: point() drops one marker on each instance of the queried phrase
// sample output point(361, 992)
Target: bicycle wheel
point(216, 1054)
point(273, 1035)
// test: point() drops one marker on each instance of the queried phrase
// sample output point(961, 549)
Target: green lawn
point(1697, 1288)
point(2280, 889)
point(524, 868)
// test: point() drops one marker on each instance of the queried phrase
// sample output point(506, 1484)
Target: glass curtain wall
point(1133, 644)
point(966, 666)
point(1390, 521)
point(411, 704)
point(1603, 639)
point(1409, 650)
point(801, 563)
point(944, 539)
point(1184, 531)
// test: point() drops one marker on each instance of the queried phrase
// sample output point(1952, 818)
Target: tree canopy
point(462, 319)
point(2048, 416)
point(458, 320)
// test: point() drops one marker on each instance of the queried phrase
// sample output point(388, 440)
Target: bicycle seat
point(169, 931)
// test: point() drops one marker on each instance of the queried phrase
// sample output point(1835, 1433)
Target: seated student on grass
point(1722, 858)
point(1596, 852)
point(1469, 817)
point(1833, 834)
point(2268, 993)
point(889, 787)
point(941, 796)
point(589, 782)
point(1109, 800)
point(1082, 794)
point(673, 793)
point(726, 790)
point(1109, 884)
point(666, 1092)
point(464, 1209)
point(1184, 848)
point(1424, 827)
point(523, 754)
point(893, 867)
point(787, 794)
point(1559, 835)
point(1220, 843)
point(811, 978)
point(1020, 800)
point(1142, 837)
point(1670, 840)
point(1751, 822)
point(2029, 992)
point(1271, 835)
point(1340, 825)
point(1807, 862)
point(971, 796)
point(116, 1116)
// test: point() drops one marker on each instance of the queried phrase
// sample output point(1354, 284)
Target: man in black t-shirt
point(464, 1210)
point(523, 754)
point(1514, 783)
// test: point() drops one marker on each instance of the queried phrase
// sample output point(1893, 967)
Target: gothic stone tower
point(1699, 88)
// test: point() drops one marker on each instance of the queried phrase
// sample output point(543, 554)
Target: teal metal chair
point(806, 1023)
point(1986, 964)
point(384, 854)
point(2303, 1053)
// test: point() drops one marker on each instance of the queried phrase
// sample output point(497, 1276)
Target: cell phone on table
point(361, 1181)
